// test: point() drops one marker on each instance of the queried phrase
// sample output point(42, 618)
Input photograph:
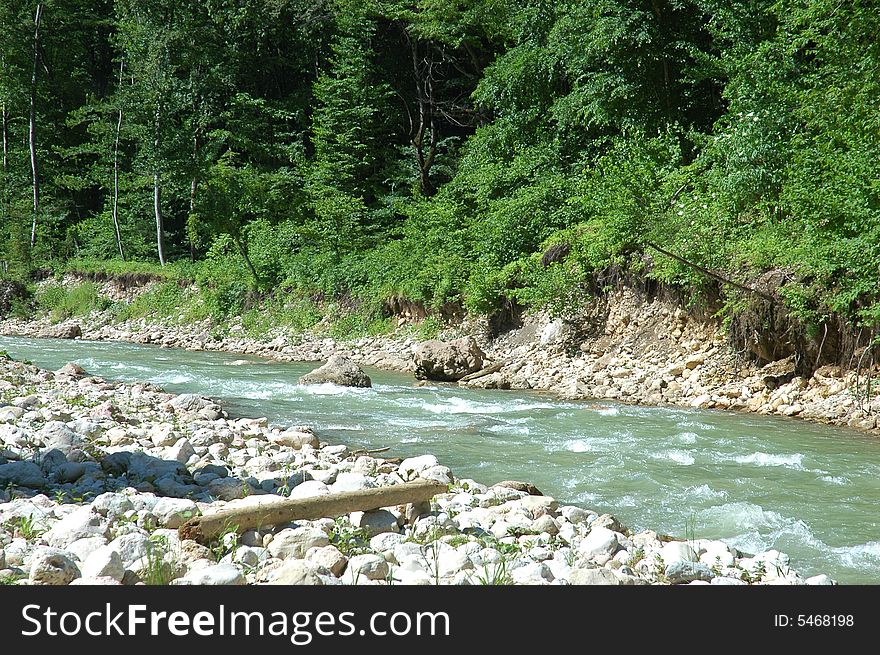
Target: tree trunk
point(160, 229)
point(116, 177)
point(247, 260)
point(424, 87)
point(193, 188)
point(157, 191)
point(5, 139)
point(5, 130)
point(205, 528)
point(32, 129)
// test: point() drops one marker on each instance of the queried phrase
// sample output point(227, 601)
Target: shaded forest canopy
point(481, 152)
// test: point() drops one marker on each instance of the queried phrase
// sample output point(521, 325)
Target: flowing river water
point(757, 482)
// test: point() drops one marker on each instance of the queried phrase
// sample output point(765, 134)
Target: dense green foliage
point(343, 153)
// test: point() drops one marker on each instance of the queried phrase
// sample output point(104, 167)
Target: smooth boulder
point(338, 370)
point(448, 361)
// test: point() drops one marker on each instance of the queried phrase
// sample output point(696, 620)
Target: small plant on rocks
point(759, 572)
point(349, 539)
point(659, 568)
point(225, 544)
point(26, 527)
point(158, 571)
point(637, 556)
point(433, 562)
point(495, 573)
point(502, 547)
point(457, 540)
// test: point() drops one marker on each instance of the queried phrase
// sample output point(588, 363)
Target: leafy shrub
point(62, 303)
point(14, 298)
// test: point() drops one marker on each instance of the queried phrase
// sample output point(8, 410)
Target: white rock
point(551, 332)
point(293, 543)
point(51, 567)
point(721, 558)
point(131, 548)
point(295, 438)
point(347, 481)
point(413, 562)
point(112, 505)
point(532, 573)
point(821, 579)
point(545, 523)
point(575, 514)
point(247, 556)
point(16, 551)
point(599, 543)
point(677, 551)
point(404, 549)
point(567, 532)
point(500, 529)
point(309, 489)
point(326, 476)
point(559, 568)
point(386, 541)
point(411, 467)
point(218, 574)
point(452, 561)
point(328, 557)
point(79, 524)
point(439, 473)
point(104, 562)
point(603, 577)
point(82, 548)
point(371, 567)
point(297, 572)
point(538, 505)
point(174, 512)
point(412, 577)
point(163, 435)
point(375, 522)
point(181, 451)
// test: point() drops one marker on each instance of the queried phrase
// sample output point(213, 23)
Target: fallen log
point(204, 528)
point(494, 368)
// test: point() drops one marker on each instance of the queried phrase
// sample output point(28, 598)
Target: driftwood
point(204, 528)
point(364, 451)
point(494, 368)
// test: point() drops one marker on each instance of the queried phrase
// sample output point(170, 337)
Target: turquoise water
point(758, 482)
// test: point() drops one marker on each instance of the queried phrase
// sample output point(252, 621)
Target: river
point(757, 482)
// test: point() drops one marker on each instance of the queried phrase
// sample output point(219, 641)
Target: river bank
point(630, 349)
point(98, 475)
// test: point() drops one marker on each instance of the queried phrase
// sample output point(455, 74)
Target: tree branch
point(713, 274)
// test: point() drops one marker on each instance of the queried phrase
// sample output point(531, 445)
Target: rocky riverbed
point(97, 476)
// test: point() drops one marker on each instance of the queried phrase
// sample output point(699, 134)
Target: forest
point(305, 157)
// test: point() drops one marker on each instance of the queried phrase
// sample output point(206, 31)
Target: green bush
point(61, 303)
point(164, 301)
point(289, 311)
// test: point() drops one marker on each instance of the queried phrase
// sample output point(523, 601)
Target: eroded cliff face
point(651, 350)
